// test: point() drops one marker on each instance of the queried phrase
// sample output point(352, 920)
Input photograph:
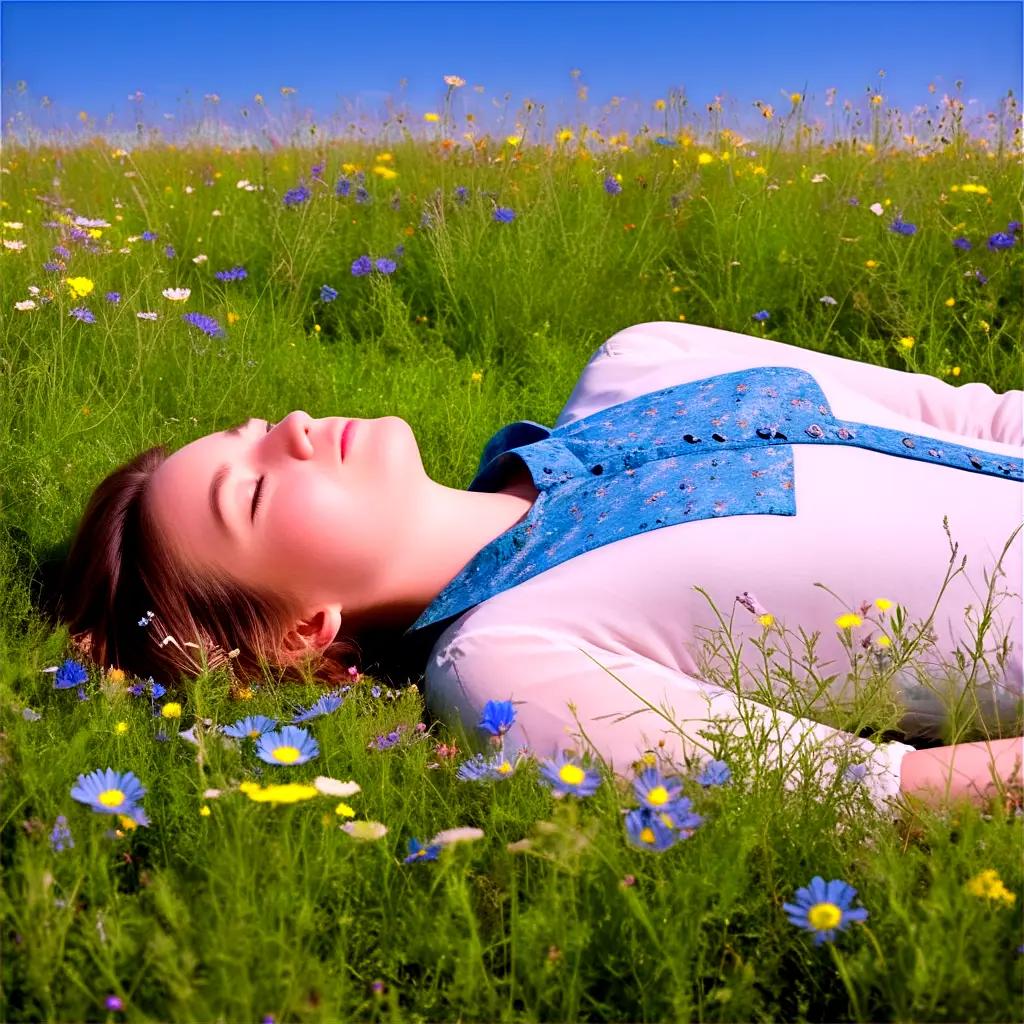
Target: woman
point(285, 540)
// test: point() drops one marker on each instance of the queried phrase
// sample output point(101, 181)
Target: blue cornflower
point(70, 674)
point(61, 838)
point(64, 254)
point(824, 908)
point(137, 690)
point(250, 727)
point(384, 742)
point(1014, 226)
point(156, 691)
point(855, 772)
point(86, 316)
point(169, 252)
point(51, 268)
point(362, 266)
point(386, 266)
point(317, 172)
point(679, 815)
point(901, 227)
point(647, 831)
point(504, 214)
point(461, 193)
point(714, 773)
point(295, 196)
point(324, 706)
point(205, 323)
point(611, 186)
point(853, 202)
point(497, 717)
point(113, 297)
point(662, 140)
point(149, 236)
point(1000, 240)
point(399, 250)
point(479, 769)
point(327, 293)
point(655, 791)
point(962, 243)
point(762, 315)
point(980, 277)
point(375, 692)
point(565, 776)
point(342, 187)
point(234, 274)
point(290, 745)
point(417, 851)
point(362, 196)
point(109, 792)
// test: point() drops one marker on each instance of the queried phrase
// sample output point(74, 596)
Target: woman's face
point(324, 529)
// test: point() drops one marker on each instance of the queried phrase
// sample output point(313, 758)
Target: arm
point(964, 771)
point(543, 671)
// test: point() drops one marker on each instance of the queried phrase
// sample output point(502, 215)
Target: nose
point(293, 434)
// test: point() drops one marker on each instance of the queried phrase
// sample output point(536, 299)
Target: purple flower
point(1000, 240)
point(399, 250)
point(498, 717)
point(51, 268)
point(504, 215)
point(386, 266)
point(386, 741)
point(295, 196)
point(114, 1004)
point(234, 274)
point(86, 316)
point(1014, 226)
point(961, 243)
point(901, 227)
point(113, 297)
point(205, 323)
point(64, 254)
point(611, 186)
point(327, 293)
point(462, 193)
point(417, 851)
point(169, 251)
point(362, 196)
point(714, 773)
point(78, 235)
point(149, 236)
point(855, 773)
point(980, 277)
point(70, 674)
point(362, 266)
point(60, 837)
point(762, 315)
point(317, 172)
point(342, 187)
point(853, 202)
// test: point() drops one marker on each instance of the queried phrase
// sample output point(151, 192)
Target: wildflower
point(827, 300)
point(431, 117)
point(207, 324)
point(361, 267)
point(60, 837)
point(290, 745)
point(417, 851)
point(962, 244)
point(83, 315)
point(65, 254)
point(714, 773)
point(648, 832)
point(70, 674)
point(762, 315)
point(253, 727)
point(345, 810)
point(324, 706)
point(289, 793)
point(201, 258)
point(120, 728)
point(877, 209)
point(234, 274)
point(147, 316)
point(901, 228)
point(176, 294)
point(172, 709)
point(655, 791)
point(849, 621)
point(30, 716)
point(504, 215)
point(80, 286)
point(454, 81)
point(565, 776)
point(497, 717)
point(362, 196)
point(149, 236)
point(386, 741)
point(949, 302)
point(461, 193)
point(463, 834)
point(333, 787)
point(1000, 240)
point(766, 619)
point(824, 908)
point(327, 293)
point(988, 885)
point(611, 186)
point(883, 604)
point(25, 305)
point(14, 245)
point(365, 830)
point(295, 196)
point(114, 1003)
point(113, 297)
point(169, 252)
point(855, 772)
point(52, 268)
point(233, 318)
point(116, 675)
point(478, 769)
point(109, 792)
point(386, 266)
point(907, 342)
point(342, 187)
point(204, 811)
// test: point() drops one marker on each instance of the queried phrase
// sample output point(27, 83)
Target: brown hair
point(119, 570)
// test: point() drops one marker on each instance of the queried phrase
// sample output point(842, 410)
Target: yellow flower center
point(286, 755)
point(571, 774)
point(504, 767)
point(658, 795)
point(647, 835)
point(823, 916)
point(255, 734)
point(111, 798)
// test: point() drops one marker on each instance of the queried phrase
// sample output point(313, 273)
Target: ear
point(315, 632)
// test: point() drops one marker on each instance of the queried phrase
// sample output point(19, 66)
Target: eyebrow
point(218, 481)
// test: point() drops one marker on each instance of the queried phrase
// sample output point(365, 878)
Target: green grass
point(258, 909)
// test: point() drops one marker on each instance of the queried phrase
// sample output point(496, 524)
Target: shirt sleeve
point(548, 675)
point(674, 353)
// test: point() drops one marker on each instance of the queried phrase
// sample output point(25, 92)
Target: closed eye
point(258, 496)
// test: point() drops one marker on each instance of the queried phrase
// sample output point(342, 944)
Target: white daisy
point(334, 787)
point(147, 316)
point(201, 258)
point(367, 830)
point(176, 294)
point(13, 245)
point(25, 305)
point(456, 835)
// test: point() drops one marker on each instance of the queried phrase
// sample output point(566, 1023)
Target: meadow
point(158, 292)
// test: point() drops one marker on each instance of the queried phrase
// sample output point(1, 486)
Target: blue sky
point(346, 58)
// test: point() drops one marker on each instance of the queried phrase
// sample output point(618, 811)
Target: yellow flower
point(870, 263)
point(659, 104)
point(907, 342)
point(565, 135)
point(985, 326)
point(204, 811)
point(128, 824)
point(876, 99)
point(767, 619)
point(883, 641)
point(233, 318)
point(794, 97)
point(345, 811)
point(513, 140)
point(248, 787)
point(883, 603)
point(385, 172)
point(988, 885)
point(384, 158)
point(116, 675)
point(286, 793)
point(950, 302)
point(849, 621)
point(978, 189)
point(431, 117)
point(80, 286)
point(955, 371)
point(287, 90)
point(244, 693)
point(316, 328)
point(705, 158)
point(172, 709)
point(475, 377)
point(121, 728)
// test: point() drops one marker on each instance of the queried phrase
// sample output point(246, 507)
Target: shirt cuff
point(884, 773)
